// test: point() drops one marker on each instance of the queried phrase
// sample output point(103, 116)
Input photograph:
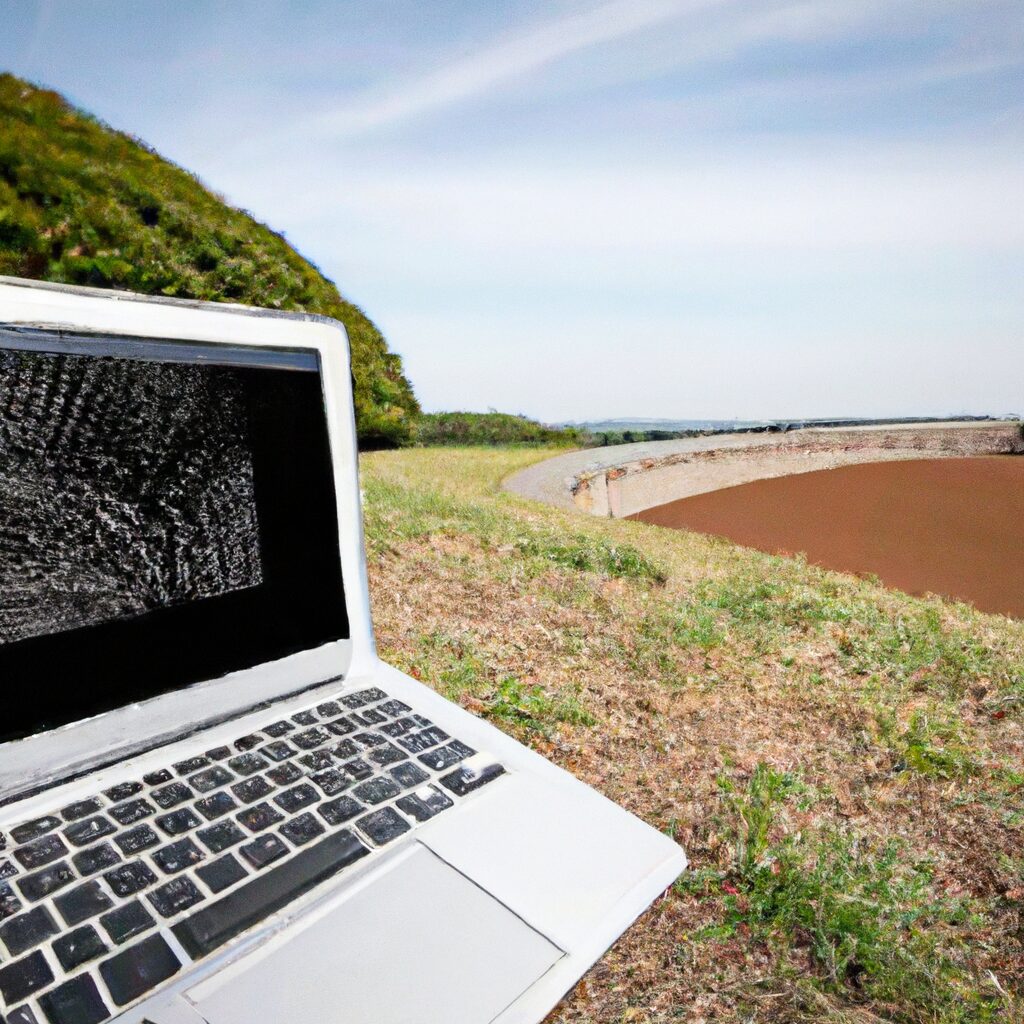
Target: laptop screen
point(167, 515)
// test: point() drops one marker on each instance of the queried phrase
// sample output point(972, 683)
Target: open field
point(843, 764)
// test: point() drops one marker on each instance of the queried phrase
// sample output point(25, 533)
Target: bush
point(492, 428)
point(83, 204)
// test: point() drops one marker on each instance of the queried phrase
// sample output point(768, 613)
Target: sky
point(586, 209)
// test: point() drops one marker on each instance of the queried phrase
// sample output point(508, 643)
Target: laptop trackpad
point(421, 944)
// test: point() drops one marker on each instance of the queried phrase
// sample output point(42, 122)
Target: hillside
point(843, 764)
point(83, 204)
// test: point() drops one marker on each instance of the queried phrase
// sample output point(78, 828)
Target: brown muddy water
point(953, 527)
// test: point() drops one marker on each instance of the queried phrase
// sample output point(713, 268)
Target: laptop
point(217, 804)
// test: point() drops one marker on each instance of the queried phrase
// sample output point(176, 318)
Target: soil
point(945, 526)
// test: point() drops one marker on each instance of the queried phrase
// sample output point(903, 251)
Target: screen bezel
point(300, 606)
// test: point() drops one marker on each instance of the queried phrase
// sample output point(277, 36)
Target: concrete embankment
point(625, 479)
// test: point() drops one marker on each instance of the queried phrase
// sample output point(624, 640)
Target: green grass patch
point(866, 914)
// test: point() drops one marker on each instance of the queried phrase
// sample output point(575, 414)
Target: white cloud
point(516, 55)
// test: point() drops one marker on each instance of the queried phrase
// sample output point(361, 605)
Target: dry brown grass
point(672, 672)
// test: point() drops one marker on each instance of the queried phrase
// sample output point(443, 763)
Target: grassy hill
point(84, 204)
point(843, 764)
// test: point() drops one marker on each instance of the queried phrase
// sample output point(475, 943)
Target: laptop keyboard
point(106, 899)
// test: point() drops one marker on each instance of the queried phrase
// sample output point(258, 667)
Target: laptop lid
point(172, 537)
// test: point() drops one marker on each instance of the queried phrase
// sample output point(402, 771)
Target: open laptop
point(218, 804)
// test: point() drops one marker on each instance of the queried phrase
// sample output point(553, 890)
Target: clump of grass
point(866, 914)
point(591, 554)
point(453, 665)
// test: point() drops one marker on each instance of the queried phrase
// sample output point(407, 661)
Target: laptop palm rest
point(422, 944)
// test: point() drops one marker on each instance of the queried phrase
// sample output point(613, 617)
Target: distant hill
point(84, 204)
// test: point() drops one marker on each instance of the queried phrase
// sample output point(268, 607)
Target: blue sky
point(674, 208)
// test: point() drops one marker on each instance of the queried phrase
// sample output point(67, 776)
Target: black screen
point(161, 523)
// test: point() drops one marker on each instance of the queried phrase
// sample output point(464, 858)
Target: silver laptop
point(217, 804)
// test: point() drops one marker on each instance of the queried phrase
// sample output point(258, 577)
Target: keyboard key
point(337, 812)
point(88, 831)
point(34, 829)
point(248, 764)
point(408, 775)
point(182, 820)
point(278, 751)
point(142, 837)
point(263, 851)
point(249, 742)
point(417, 742)
point(75, 1002)
point(376, 791)
point(260, 817)
point(78, 947)
point(131, 812)
point(172, 795)
point(126, 922)
point(219, 753)
point(332, 782)
point(279, 729)
point(19, 980)
point(359, 769)
point(445, 757)
point(304, 718)
point(81, 809)
point(80, 904)
point(177, 856)
point(130, 878)
point(364, 697)
point(311, 738)
point(399, 728)
point(394, 708)
point(221, 836)
point(388, 754)
point(329, 709)
point(210, 779)
point(175, 896)
point(471, 775)
point(221, 874)
point(382, 826)
point(21, 934)
point(40, 851)
point(369, 739)
point(43, 883)
point(22, 1015)
point(211, 926)
point(341, 727)
point(190, 765)
point(297, 798)
point(216, 806)
point(96, 858)
point(122, 792)
point(424, 803)
point(317, 760)
point(9, 902)
point(284, 774)
point(139, 968)
point(252, 789)
point(8, 869)
point(346, 749)
point(302, 829)
point(157, 778)
point(371, 717)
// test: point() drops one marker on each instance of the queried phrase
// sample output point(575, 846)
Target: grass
point(83, 204)
point(843, 764)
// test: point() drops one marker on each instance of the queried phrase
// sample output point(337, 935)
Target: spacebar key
point(216, 923)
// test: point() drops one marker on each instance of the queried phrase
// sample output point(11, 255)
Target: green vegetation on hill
point(492, 428)
point(83, 204)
